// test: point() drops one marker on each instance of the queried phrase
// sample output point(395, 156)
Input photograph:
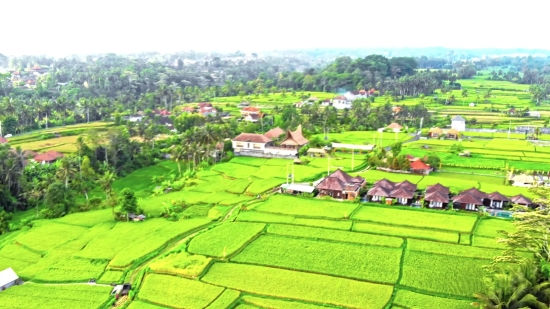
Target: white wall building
point(458, 123)
point(8, 278)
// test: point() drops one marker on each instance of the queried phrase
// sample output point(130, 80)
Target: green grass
point(377, 264)
point(38, 296)
point(416, 218)
point(339, 236)
point(430, 272)
point(178, 292)
point(226, 239)
point(382, 229)
point(295, 285)
point(487, 242)
point(87, 219)
point(180, 263)
point(288, 205)
point(408, 299)
point(225, 300)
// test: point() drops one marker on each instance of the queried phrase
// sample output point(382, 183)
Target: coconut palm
point(66, 170)
point(178, 154)
point(106, 183)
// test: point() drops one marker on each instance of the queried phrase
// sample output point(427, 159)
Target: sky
point(64, 27)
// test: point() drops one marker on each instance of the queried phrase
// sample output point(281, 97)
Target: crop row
point(400, 231)
point(256, 216)
point(289, 284)
point(377, 264)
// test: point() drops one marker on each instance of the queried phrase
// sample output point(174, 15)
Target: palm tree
point(178, 154)
point(66, 170)
point(464, 95)
point(515, 287)
point(106, 184)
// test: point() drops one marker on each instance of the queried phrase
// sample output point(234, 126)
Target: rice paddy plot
point(235, 170)
point(409, 299)
point(225, 300)
point(288, 205)
point(487, 242)
point(39, 296)
point(265, 302)
point(137, 304)
point(339, 236)
point(71, 270)
point(110, 276)
point(281, 283)
point(452, 249)
point(490, 227)
point(178, 292)
point(259, 186)
point(399, 231)
point(45, 235)
point(430, 272)
point(255, 216)
point(87, 219)
point(375, 264)
point(416, 218)
point(181, 264)
point(225, 239)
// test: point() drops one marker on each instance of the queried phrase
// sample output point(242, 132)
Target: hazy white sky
point(63, 27)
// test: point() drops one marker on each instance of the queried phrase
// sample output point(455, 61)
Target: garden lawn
point(381, 229)
point(376, 264)
point(409, 299)
point(178, 292)
point(225, 239)
point(339, 236)
point(416, 218)
point(299, 285)
point(430, 272)
point(39, 296)
point(288, 205)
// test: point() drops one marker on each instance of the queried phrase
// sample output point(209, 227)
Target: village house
point(385, 190)
point(521, 200)
point(435, 132)
point(207, 111)
point(316, 152)
point(340, 102)
point(340, 185)
point(326, 102)
point(470, 199)
point(419, 167)
point(274, 133)
point(188, 109)
point(354, 95)
point(496, 200)
point(3, 140)
point(395, 127)
point(458, 123)
point(250, 110)
point(48, 157)
point(260, 145)
point(527, 181)
point(253, 118)
point(162, 112)
point(8, 278)
point(437, 196)
point(453, 134)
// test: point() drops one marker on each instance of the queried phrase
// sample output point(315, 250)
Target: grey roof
point(7, 276)
point(458, 118)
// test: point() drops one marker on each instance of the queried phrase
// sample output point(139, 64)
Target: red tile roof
point(250, 109)
point(3, 140)
point(394, 126)
point(205, 104)
point(49, 156)
point(340, 97)
point(188, 109)
point(419, 165)
point(252, 138)
point(274, 133)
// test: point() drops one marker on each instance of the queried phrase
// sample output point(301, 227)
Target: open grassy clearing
point(299, 286)
point(375, 264)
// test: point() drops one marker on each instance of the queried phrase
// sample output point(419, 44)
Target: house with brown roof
point(395, 127)
point(253, 117)
point(262, 145)
point(496, 200)
point(188, 109)
point(3, 140)
point(420, 167)
point(435, 132)
point(437, 196)
point(274, 133)
point(340, 185)
point(48, 157)
point(470, 199)
point(521, 200)
point(404, 192)
point(341, 102)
